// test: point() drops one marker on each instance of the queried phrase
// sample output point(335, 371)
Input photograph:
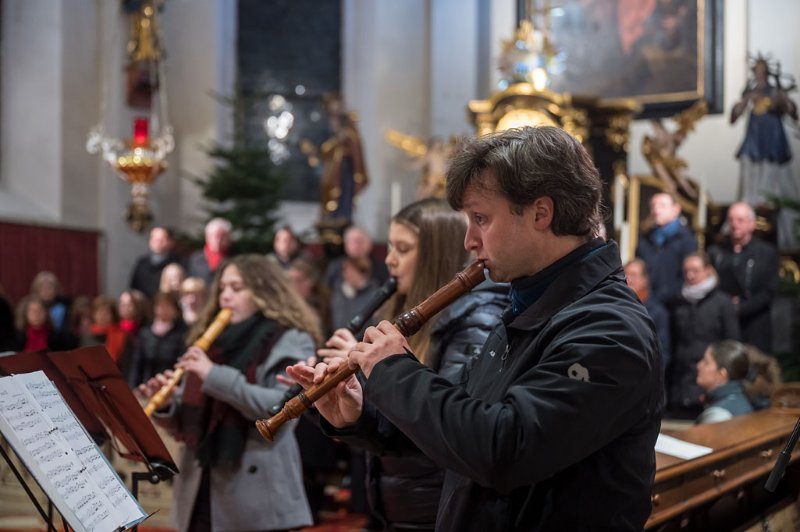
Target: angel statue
point(660, 150)
point(430, 157)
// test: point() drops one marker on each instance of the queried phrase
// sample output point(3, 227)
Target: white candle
point(619, 202)
point(702, 208)
point(395, 197)
point(625, 242)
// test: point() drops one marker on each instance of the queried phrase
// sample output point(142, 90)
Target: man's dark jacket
point(555, 426)
point(665, 261)
point(751, 275)
point(146, 275)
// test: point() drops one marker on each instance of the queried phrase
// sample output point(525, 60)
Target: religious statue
point(344, 173)
point(765, 151)
point(661, 148)
point(144, 51)
point(431, 157)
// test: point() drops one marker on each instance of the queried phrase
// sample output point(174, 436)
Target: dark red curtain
point(71, 255)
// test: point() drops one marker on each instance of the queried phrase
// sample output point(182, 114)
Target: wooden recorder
point(221, 321)
point(408, 323)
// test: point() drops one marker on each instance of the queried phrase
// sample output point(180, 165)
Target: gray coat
point(265, 491)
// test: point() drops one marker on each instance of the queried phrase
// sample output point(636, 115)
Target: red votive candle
point(140, 132)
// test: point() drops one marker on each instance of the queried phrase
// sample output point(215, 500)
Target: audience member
point(193, 298)
point(204, 263)
point(286, 246)
point(355, 290)
point(720, 374)
point(702, 315)
point(171, 278)
point(305, 278)
point(638, 280)
point(357, 243)
point(664, 247)
point(762, 379)
point(106, 330)
point(161, 343)
point(35, 329)
point(47, 288)
point(133, 309)
point(748, 272)
point(81, 320)
point(147, 271)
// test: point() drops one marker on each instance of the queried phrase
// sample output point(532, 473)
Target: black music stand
point(101, 399)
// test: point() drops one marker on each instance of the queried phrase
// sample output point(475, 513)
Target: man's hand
point(342, 405)
point(379, 342)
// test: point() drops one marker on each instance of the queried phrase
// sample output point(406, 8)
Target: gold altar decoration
point(522, 104)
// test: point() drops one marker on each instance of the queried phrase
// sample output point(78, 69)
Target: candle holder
point(138, 162)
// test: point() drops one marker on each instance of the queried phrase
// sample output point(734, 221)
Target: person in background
point(231, 479)
point(81, 320)
point(350, 296)
point(106, 331)
point(720, 374)
point(193, 298)
point(133, 309)
point(664, 247)
point(762, 379)
point(35, 331)
point(204, 263)
point(357, 244)
point(171, 278)
point(47, 288)
point(637, 278)
point(748, 272)
point(286, 247)
point(161, 343)
point(146, 273)
point(703, 314)
point(305, 278)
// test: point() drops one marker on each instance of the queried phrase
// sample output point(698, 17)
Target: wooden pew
point(725, 489)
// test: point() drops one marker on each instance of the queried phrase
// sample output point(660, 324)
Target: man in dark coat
point(664, 247)
point(555, 423)
point(748, 272)
point(146, 274)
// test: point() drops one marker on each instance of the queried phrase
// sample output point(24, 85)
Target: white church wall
point(30, 160)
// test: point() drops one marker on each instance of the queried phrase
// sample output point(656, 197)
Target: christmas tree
point(245, 185)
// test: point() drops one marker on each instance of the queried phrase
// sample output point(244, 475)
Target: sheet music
point(61, 456)
point(679, 448)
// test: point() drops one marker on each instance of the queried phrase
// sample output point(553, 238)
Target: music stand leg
point(137, 476)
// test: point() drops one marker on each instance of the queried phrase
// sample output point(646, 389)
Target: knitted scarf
point(213, 429)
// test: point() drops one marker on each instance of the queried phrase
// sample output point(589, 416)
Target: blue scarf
point(527, 290)
point(660, 234)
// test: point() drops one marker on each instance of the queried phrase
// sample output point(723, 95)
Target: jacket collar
point(576, 279)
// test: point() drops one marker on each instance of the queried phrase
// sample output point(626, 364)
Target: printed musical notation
point(62, 457)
